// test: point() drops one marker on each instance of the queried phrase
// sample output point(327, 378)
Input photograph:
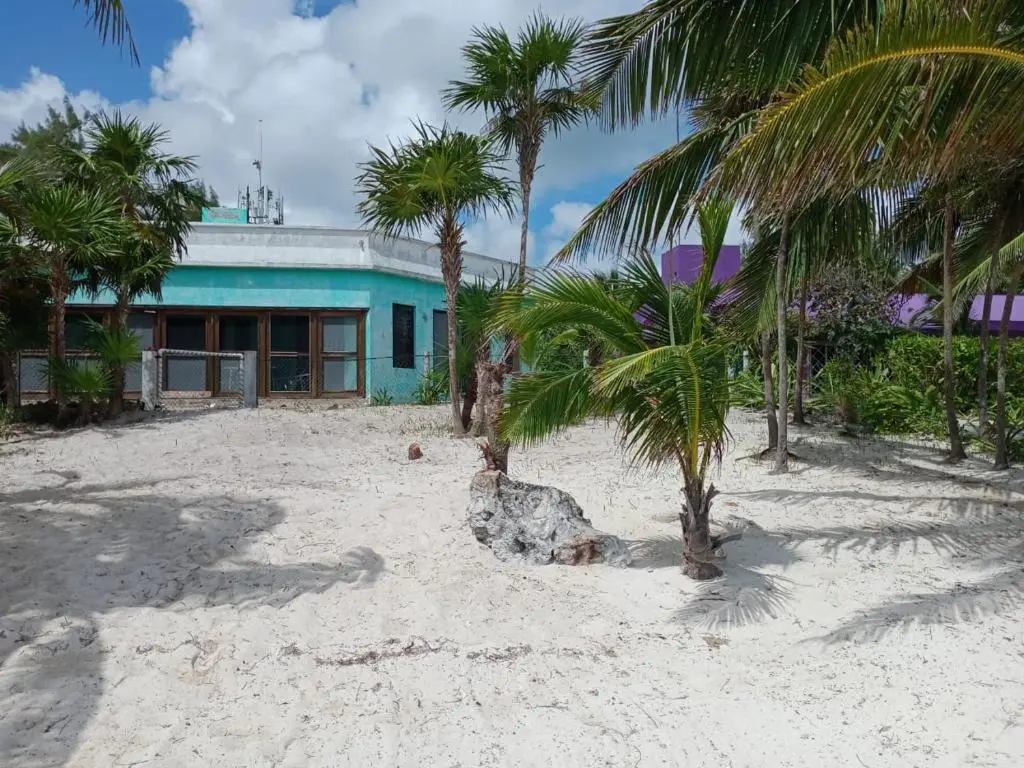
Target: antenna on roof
point(259, 204)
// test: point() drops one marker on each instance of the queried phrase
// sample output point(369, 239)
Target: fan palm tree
point(109, 19)
point(525, 88)
point(157, 196)
point(436, 181)
point(666, 380)
point(70, 230)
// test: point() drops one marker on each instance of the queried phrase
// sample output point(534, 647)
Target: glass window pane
point(185, 374)
point(142, 325)
point(289, 333)
point(341, 375)
point(76, 330)
point(440, 339)
point(341, 334)
point(239, 333)
point(289, 374)
point(402, 335)
point(186, 332)
point(32, 374)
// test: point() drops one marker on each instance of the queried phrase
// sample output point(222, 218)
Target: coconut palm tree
point(912, 100)
point(157, 196)
point(670, 54)
point(665, 380)
point(436, 181)
point(525, 88)
point(109, 19)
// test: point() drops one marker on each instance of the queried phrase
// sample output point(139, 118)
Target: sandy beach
point(283, 587)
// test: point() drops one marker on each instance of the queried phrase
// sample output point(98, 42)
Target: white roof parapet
point(248, 245)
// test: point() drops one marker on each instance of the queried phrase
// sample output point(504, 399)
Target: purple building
point(683, 263)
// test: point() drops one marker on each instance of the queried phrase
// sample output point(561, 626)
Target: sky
point(357, 72)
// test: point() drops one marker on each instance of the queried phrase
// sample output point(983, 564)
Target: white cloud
point(325, 87)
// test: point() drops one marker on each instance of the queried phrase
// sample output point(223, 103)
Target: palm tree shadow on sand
point(975, 523)
point(746, 593)
point(70, 552)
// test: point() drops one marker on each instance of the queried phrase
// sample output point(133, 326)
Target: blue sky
point(211, 69)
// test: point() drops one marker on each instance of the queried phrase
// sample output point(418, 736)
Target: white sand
point(209, 590)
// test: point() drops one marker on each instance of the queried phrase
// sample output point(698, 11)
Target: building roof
point(248, 245)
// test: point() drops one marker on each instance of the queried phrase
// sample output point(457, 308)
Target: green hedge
point(915, 361)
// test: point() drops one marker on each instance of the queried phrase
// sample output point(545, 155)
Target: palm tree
point(436, 181)
point(69, 230)
point(157, 196)
point(670, 54)
point(525, 87)
point(666, 380)
point(915, 99)
point(109, 19)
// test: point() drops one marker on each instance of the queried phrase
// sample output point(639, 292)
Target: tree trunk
point(956, 448)
point(483, 354)
point(698, 545)
point(1002, 460)
point(801, 355)
point(451, 244)
point(769, 390)
point(10, 377)
point(59, 289)
point(781, 267)
point(117, 371)
point(492, 397)
point(983, 338)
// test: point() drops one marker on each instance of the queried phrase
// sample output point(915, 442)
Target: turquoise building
point(330, 312)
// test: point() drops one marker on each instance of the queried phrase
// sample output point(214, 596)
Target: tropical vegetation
point(434, 182)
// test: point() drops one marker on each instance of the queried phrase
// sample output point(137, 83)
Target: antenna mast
point(259, 209)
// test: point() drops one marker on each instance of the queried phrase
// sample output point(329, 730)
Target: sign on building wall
point(223, 215)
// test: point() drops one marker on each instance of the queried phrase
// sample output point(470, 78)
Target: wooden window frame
point(263, 314)
point(359, 355)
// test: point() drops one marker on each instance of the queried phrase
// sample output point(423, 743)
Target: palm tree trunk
point(10, 377)
point(769, 390)
point(698, 544)
point(781, 267)
point(451, 270)
point(956, 448)
point(472, 389)
point(801, 355)
point(117, 372)
point(492, 398)
point(1002, 460)
point(983, 338)
point(59, 289)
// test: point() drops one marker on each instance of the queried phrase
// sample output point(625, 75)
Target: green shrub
point(85, 381)
point(915, 360)
point(9, 416)
point(840, 388)
point(432, 388)
point(382, 397)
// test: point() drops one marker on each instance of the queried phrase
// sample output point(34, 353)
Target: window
point(403, 319)
point(235, 333)
point(76, 328)
point(289, 353)
point(440, 339)
point(185, 374)
point(339, 354)
point(142, 324)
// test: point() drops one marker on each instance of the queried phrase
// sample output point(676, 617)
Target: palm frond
point(110, 20)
